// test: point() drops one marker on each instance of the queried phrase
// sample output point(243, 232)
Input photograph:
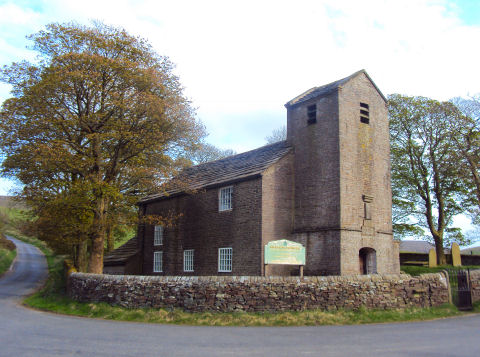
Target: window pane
point(158, 235)
point(188, 260)
point(225, 259)
point(158, 262)
point(225, 199)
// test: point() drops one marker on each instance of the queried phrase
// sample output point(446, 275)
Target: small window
point(225, 198)
point(188, 260)
point(312, 114)
point(158, 235)
point(364, 113)
point(158, 262)
point(224, 260)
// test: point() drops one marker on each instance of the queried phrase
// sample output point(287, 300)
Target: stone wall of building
point(365, 189)
point(277, 209)
point(240, 293)
point(343, 199)
point(200, 226)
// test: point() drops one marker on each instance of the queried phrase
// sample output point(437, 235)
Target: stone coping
point(260, 279)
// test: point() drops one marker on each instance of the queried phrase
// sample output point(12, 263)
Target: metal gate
point(460, 288)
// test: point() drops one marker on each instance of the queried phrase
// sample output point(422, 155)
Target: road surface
point(26, 332)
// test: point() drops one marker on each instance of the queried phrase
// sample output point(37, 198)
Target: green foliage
point(99, 121)
point(426, 182)
point(417, 270)
point(6, 259)
point(465, 132)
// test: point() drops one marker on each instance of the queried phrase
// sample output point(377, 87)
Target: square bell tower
point(342, 193)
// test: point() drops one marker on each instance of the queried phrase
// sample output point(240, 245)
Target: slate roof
point(415, 246)
point(418, 246)
point(223, 171)
point(120, 255)
point(329, 88)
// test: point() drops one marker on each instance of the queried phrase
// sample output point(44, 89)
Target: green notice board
point(284, 252)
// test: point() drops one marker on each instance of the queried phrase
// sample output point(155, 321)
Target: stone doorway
point(368, 261)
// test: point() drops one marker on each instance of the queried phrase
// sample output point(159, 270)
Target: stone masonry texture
point(243, 293)
point(201, 227)
point(475, 285)
point(328, 176)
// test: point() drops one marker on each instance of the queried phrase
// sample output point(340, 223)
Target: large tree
point(465, 132)
point(100, 113)
point(425, 174)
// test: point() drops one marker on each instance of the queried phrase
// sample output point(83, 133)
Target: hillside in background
point(9, 201)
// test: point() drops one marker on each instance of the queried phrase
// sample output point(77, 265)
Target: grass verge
point(64, 305)
point(6, 259)
point(52, 298)
point(417, 270)
point(7, 254)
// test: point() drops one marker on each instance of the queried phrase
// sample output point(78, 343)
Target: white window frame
point(225, 198)
point(225, 260)
point(158, 235)
point(158, 262)
point(188, 255)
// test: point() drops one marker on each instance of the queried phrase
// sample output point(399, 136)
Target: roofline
point(348, 78)
point(206, 187)
point(221, 183)
point(371, 80)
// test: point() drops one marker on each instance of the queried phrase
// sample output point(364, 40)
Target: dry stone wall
point(241, 293)
point(475, 285)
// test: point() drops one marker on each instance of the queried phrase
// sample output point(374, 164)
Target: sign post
point(285, 252)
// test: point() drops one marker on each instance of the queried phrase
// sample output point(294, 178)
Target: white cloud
point(239, 59)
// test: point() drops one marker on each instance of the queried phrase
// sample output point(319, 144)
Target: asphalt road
point(26, 332)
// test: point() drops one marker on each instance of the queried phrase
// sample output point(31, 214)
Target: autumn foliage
point(97, 122)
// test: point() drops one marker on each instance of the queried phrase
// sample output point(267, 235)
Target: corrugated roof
point(121, 254)
point(329, 88)
point(230, 169)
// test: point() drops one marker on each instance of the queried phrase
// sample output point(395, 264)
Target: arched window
point(367, 260)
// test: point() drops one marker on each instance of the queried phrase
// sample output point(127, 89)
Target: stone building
point(327, 186)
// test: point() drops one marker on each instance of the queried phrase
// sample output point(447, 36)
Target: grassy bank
point(52, 298)
point(6, 259)
point(7, 254)
point(64, 305)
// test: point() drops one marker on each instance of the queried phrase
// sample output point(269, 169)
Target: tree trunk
point(441, 258)
point(82, 256)
point(110, 238)
point(95, 264)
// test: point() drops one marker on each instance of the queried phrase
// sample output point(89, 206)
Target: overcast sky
point(241, 61)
